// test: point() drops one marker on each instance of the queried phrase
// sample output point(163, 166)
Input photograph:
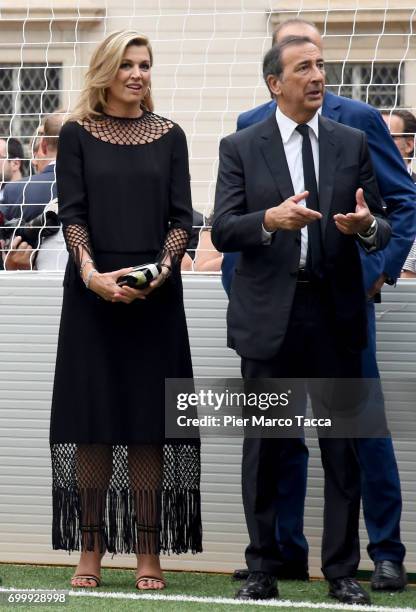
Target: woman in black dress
point(124, 200)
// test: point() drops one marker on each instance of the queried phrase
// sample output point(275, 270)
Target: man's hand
point(376, 288)
point(357, 222)
point(408, 274)
point(289, 215)
point(19, 257)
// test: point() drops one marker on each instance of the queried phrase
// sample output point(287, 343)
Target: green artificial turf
point(179, 583)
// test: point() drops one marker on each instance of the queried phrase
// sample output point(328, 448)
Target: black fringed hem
point(121, 531)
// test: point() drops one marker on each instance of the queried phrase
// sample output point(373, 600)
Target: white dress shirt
point(292, 144)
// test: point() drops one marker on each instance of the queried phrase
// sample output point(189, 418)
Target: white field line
point(272, 603)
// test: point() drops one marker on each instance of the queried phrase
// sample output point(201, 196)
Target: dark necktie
point(315, 256)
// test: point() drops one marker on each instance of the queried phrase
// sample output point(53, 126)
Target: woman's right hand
point(105, 285)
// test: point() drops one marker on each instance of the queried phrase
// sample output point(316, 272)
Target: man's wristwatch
point(371, 230)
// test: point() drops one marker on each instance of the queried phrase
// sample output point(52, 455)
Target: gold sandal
point(147, 578)
point(86, 577)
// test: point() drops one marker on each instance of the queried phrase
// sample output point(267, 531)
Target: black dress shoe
point(286, 572)
point(347, 590)
point(240, 574)
point(388, 576)
point(258, 585)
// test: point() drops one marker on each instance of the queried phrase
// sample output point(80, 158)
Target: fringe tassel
point(181, 521)
point(65, 522)
point(143, 522)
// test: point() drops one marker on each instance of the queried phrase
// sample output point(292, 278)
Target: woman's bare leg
point(94, 466)
point(145, 472)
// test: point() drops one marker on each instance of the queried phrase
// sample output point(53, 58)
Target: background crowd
point(28, 186)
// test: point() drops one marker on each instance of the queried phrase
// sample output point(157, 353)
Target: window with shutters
point(26, 94)
point(377, 83)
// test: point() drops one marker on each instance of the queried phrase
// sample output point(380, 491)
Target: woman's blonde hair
point(104, 65)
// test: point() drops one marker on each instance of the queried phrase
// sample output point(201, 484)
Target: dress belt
point(303, 276)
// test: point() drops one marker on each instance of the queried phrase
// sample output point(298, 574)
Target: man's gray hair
point(293, 21)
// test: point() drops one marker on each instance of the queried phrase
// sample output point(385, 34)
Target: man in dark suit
point(381, 493)
point(12, 165)
point(297, 306)
point(27, 200)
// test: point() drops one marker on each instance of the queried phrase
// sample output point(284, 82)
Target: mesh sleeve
point(77, 238)
point(175, 245)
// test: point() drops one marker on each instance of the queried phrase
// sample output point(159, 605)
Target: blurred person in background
point(201, 255)
point(409, 267)
point(402, 126)
point(189, 257)
point(11, 163)
point(49, 254)
point(31, 198)
point(38, 160)
point(27, 199)
point(11, 170)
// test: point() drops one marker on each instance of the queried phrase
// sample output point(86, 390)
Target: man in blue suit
point(27, 199)
point(381, 495)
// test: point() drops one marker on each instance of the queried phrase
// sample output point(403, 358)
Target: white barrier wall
point(29, 318)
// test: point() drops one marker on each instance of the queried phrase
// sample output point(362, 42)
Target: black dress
point(124, 196)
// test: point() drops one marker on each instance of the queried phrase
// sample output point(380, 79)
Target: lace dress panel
point(143, 130)
point(175, 245)
point(125, 131)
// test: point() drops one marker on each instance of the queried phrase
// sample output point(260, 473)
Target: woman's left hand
point(129, 294)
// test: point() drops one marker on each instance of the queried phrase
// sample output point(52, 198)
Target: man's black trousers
point(309, 350)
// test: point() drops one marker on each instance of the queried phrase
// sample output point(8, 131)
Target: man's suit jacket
point(253, 176)
point(396, 186)
point(38, 189)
